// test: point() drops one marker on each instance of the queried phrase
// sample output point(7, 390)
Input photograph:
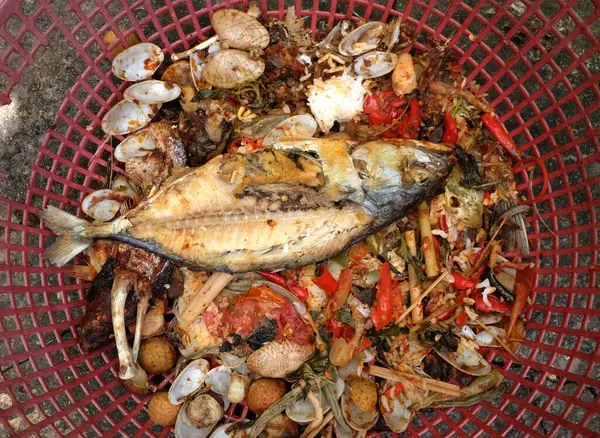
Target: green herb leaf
point(345, 316)
point(389, 331)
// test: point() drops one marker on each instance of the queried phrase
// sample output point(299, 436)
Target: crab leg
point(124, 281)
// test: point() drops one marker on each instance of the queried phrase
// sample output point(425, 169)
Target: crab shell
point(278, 359)
point(138, 62)
point(190, 380)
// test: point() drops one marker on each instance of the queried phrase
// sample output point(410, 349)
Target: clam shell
point(136, 145)
point(103, 204)
point(362, 39)
point(152, 92)
point(396, 413)
point(374, 64)
point(356, 418)
point(179, 73)
point(238, 387)
point(127, 117)
point(138, 62)
point(230, 68)
point(218, 378)
point(302, 126)
point(303, 411)
point(481, 369)
point(239, 30)
point(145, 171)
point(183, 428)
point(123, 185)
point(278, 359)
point(190, 380)
point(197, 66)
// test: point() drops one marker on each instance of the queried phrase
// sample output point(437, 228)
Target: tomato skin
point(382, 107)
point(383, 308)
point(450, 129)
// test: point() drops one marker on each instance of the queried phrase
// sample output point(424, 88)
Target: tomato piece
point(461, 319)
point(383, 307)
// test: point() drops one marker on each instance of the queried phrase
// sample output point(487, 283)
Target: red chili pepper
point(341, 295)
point(436, 247)
point(382, 107)
point(383, 307)
point(450, 129)
point(461, 319)
point(461, 297)
point(445, 315)
point(327, 282)
point(523, 286)
point(409, 125)
point(499, 133)
point(394, 391)
point(364, 344)
point(462, 282)
point(339, 329)
point(291, 285)
point(237, 143)
point(495, 305)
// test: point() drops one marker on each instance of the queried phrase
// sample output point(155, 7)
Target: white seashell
point(278, 359)
point(136, 145)
point(190, 380)
point(374, 64)
point(303, 126)
point(183, 428)
point(197, 65)
point(103, 204)
point(302, 412)
point(138, 62)
point(231, 68)
point(123, 185)
point(352, 368)
point(362, 39)
point(218, 379)
point(469, 362)
point(484, 338)
point(356, 418)
point(239, 30)
point(232, 360)
point(152, 92)
point(127, 117)
point(396, 413)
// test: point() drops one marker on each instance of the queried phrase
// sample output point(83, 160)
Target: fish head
point(398, 174)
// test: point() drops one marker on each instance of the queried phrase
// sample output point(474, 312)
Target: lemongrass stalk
point(431, 264)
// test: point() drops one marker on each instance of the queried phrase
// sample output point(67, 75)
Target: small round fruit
point(340, 353)
point(364, 393)
point(263, 393)
point(157, 355)
point(161, 411)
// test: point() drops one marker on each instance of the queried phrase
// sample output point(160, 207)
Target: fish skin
point(273, 209)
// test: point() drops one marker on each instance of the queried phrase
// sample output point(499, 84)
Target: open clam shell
point(300, 126)
point(197, 66)
point(356, 418)
point(303, 411)
point(103, 204)
point(469, 362)
point(218, 379)
point(127, 117)
point(190, 380)
point(138, 62)
point(396, 413)
point(136, 145)
point(152, 92)
point(374, 64)
point(362, 39)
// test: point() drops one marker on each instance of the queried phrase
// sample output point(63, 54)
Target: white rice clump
point(339, 98)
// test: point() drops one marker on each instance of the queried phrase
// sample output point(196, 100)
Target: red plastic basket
point(539, 63)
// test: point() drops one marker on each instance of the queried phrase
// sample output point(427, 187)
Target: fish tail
point(70, 241)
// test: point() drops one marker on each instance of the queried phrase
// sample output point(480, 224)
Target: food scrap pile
point(326, 230)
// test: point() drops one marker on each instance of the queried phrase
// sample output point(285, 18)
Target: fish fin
point(69, 243)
